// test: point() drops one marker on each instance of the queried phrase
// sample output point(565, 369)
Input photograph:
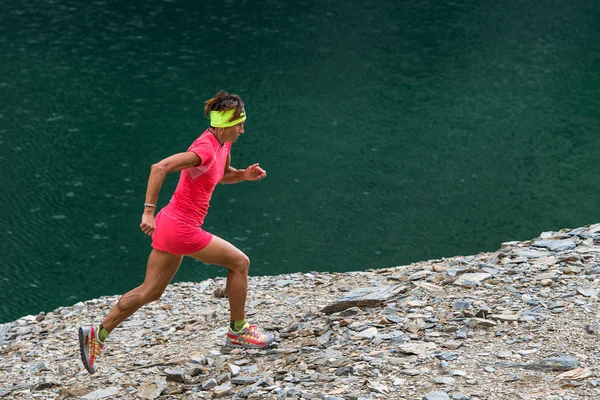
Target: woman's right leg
point(221, 252)
point(161, 268)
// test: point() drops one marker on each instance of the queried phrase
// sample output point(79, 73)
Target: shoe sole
point(248, 346)
point(82, 352)
point(241, 346)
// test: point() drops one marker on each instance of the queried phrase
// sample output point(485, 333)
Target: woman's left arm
point(232, 175)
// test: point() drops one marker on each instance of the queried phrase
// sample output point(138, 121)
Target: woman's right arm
point(158, 173)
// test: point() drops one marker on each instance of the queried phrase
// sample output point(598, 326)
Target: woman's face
point(232, 133)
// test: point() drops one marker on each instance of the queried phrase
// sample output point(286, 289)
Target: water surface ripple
point(391, 132)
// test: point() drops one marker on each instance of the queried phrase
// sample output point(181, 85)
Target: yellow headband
point(221, 119)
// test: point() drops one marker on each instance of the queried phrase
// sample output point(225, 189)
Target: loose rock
point(476, 326)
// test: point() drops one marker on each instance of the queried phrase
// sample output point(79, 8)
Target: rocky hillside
point(519, 323)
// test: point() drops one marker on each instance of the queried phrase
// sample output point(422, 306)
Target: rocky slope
point(519, 323)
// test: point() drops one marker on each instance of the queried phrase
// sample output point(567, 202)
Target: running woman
point(177, 229)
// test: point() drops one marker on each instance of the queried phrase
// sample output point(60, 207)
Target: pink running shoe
point(251, 337)
point(89, 347)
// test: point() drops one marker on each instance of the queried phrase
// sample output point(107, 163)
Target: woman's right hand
point(147, 224)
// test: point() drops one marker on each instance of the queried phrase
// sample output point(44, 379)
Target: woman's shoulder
point(203, 138)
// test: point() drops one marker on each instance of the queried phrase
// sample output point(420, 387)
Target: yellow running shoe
point(89, 347)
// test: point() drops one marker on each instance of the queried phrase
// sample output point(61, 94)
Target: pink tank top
point(196, 184)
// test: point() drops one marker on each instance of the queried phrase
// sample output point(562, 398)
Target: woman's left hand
point(254, 173)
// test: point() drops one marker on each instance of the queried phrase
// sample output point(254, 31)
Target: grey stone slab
point(102, 393)
point(365, 297)
point(3, 332)
point(556, 245)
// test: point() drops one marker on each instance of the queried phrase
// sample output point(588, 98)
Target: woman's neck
point(212, 130)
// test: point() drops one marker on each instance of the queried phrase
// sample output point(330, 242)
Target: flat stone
point(490, 270)
point(377, 387)
point(209, 384)
point(527, 352)
point(350, 312)
point(437, 396)
point(419, 275)
point(416, 304)
point(222, 390)
point(459, 396)
point(102, 393)
point(572, 270)
point(152, 388)
point(478, 278)
point(284, 282)
point(462, 333)
point(234, 369)
point(411, 372)
point(448, 355)
point(556, 245)
point(504, 317)
point(3, 332)
point(365, 297)
point(504, 354)
point(174, 375)
point(445, 380)
point(394, 319)
point(368, 333)
point(530, 253)
point(587, 292)
point(481, 322)
point(553, 235)
point(438, 268)
point(462, 305)
point(593, 329)
point(546, 275)
point(44, 386)
point(21, 386)
point(452, 344)
point(564, 362)
point(246, 380)
point(417, 348)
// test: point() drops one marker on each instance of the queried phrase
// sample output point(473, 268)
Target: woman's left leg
point(221, 252)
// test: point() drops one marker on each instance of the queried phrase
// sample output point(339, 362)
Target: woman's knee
point(151, 294)
point(241, 264)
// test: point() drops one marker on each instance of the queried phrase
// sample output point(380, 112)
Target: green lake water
point(391, 132)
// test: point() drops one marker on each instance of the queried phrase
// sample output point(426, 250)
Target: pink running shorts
point(178, 237)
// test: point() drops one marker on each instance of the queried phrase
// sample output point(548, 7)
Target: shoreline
point(522, 322)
